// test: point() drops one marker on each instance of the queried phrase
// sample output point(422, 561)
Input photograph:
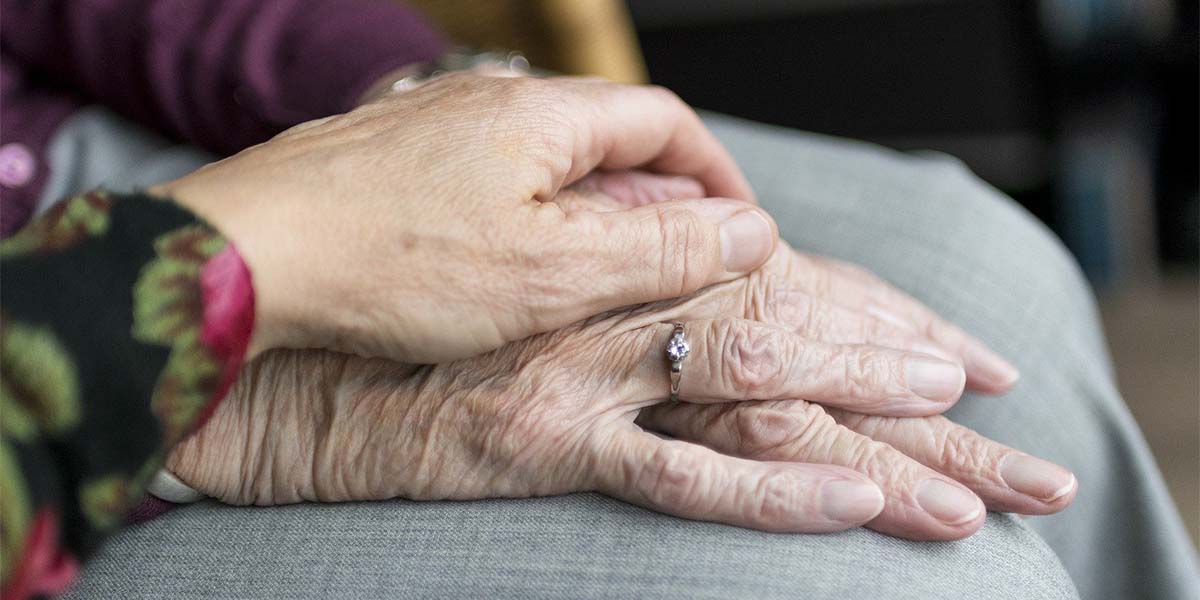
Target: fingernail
point(947, 503)
point(989, 365)
point(1035, 477)
point(933, 379)
point(746, 241)
point(848, 501)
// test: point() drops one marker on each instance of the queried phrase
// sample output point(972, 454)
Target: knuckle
point(873, 458)
point(760, 297)
point(751, 359)
point(544, 133)
point(851, 445)
point(666, 95)
point(684, 242)
point(761, 432)
point(864, 453)
point(531, 119)
point(777, 498)
point(818, 436)
point(672, 477)
point(770, 299)
point(681, 110)
point(961, 450)
point(867, 372)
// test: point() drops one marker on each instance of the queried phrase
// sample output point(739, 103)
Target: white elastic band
point(167, 486)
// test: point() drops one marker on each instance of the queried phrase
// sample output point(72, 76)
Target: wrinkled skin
point(556, 413)
point(416, 226)
point(828, 431)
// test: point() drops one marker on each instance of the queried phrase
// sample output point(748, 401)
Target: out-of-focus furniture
point(1083, 110)
point(584, 37)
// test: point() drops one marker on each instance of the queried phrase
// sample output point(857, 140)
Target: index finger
point(858, 289)
point(649, 127)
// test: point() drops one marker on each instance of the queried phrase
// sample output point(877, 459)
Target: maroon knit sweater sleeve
point(221, 74)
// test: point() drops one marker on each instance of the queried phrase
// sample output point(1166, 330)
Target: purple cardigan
point(220, 74)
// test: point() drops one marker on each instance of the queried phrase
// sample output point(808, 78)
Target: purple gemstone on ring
point(677, 348)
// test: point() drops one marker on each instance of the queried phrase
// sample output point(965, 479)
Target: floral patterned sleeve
point(123, 322)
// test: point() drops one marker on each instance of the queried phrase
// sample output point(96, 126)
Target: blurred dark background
point(1083, 110)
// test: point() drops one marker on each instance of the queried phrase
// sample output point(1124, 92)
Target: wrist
point(232, 282)
point(268, 443)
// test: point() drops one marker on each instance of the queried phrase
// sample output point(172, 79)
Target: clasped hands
point(464, 291)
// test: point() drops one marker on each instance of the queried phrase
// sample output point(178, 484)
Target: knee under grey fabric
point(577, 546)
point(931, 228)
point(922, 223)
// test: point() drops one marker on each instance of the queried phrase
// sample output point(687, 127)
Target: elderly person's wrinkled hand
point(822, 298)
point(415, 228)
point(556, 413)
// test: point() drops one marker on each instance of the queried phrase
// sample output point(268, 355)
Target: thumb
point(670, 249)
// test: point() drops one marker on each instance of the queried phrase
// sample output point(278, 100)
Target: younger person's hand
point(414, 227)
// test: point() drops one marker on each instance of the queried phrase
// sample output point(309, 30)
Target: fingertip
point(989, 387)
point(951, 504)
point(952, 533)
point(748, 238)
point(936, 511)
point(851, 502)
point(1038, 479)
point(1062, 498)
point(1066, 492)
point(1012, 501)
point(989, 371)
point(939, 382)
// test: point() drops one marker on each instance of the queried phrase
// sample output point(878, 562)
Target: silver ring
point(677, 350)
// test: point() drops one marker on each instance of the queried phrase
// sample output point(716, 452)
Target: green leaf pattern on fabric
point(168, 311)
point(17, 423)
point(68, 223)
point(40, 381)
point(53, 380)
point(15, 511)
point(105, 499)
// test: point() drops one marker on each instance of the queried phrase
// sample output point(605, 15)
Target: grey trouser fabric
point(923, 223)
